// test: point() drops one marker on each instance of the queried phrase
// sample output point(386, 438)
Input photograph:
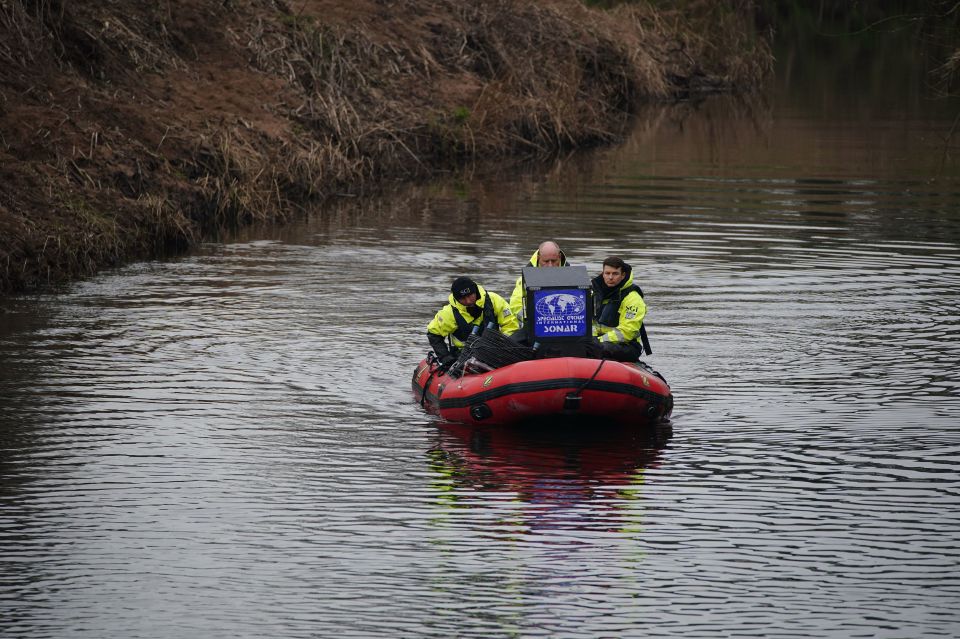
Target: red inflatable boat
point(542, 389)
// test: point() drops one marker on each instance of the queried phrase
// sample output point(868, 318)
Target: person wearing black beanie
point(469, 307)
point(463, 286)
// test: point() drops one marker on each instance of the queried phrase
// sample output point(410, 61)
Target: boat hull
point(563, 387)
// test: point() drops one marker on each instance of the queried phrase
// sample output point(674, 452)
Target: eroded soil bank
point(133, 129)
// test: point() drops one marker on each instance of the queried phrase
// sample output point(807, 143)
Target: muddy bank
point(132, 131)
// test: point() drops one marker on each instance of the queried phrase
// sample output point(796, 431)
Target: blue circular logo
point(560, 305)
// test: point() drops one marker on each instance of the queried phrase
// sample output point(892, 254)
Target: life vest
point(609, 314)
point(465, 328)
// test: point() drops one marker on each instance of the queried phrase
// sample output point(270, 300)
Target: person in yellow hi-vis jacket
point(547, 254)
point(469, 306)
point(619, 310)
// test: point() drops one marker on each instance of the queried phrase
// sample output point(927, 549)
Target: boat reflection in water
point(562, 476)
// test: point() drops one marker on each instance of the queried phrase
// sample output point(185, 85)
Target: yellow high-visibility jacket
point(445, 323)
point(618, 314)
point(518, 301)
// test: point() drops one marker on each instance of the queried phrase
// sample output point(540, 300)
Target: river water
point(225, 444)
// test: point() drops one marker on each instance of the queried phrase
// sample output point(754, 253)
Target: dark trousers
point(621, 351)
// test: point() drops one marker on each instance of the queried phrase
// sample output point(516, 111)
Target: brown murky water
point(224, 444)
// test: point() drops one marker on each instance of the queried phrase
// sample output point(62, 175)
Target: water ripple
point(226, 445)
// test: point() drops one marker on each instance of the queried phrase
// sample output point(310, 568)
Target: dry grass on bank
point(131, 130)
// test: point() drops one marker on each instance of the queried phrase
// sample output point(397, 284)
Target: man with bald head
point(548, 254)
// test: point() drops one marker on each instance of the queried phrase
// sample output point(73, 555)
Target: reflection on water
point(224, 445)
point(550, 478)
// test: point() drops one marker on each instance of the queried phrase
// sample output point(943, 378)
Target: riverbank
point(134, 131)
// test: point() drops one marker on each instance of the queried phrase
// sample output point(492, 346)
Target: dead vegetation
point(131, 130)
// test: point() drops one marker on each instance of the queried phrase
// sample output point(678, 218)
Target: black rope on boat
point(431, 359)
point(492, 350)
point(423, 396)
point(572, 399)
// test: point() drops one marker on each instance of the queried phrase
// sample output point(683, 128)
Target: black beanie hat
point(463, 286)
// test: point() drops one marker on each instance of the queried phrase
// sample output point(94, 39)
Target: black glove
point(439, 346)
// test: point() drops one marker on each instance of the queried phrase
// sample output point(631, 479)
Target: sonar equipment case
point(559, 311)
